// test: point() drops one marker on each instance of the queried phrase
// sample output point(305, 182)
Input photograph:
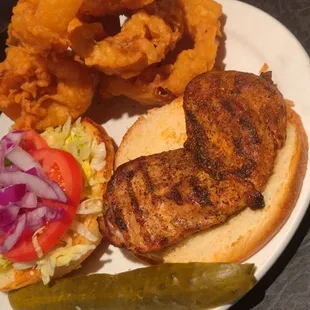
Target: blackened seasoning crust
point(235, 122)
point(237, 132)
point(191, 201)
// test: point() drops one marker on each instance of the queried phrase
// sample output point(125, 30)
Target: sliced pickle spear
point(164, 287)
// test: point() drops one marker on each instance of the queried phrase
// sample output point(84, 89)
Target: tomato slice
point(63, 168)
point(33, 141)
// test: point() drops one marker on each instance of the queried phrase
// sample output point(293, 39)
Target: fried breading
point(202, 23)
point(145, 59)
point(82, 36)
point(144, 39)
point(142, 89)
point(106, 7)
point(159, 85)
point(41, 26)
point(38, 93)
point(172, 13)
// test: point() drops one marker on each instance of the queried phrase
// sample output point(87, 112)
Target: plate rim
point(261, 272)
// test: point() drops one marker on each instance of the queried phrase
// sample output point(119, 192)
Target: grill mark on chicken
point(246, 170)
point(175, 196)
point(117, 216)
point(168, 175)
point(134, 200)
point(227, 105)
point(238, 145)
point(131, 193)
point(147, 180)
point(244, 120)
point(120, 223)
point(247, 125)
point(129, 175)
point(265, 92)
point(200, 149)
point(198, 136)
point(200, 194)
point(235, 124)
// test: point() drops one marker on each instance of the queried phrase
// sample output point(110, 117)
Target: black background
point(287, 284)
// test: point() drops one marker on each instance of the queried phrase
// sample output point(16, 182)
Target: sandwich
point(212, 176)
point(51, 197)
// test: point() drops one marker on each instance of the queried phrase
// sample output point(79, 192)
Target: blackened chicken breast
point(154, 201)
point(235, 124)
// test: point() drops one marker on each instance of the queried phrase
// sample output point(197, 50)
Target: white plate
point(253, 38)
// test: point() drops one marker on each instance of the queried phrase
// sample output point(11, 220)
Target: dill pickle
point(166, 286)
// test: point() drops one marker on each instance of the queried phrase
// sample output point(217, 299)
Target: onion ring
point(108, 7)
point(159, 85)
point(144, 39)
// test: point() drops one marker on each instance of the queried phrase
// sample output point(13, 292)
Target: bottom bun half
point(12, 278)
point(163, 129)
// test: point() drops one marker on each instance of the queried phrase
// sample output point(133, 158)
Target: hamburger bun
point(163, 129)
point(13, 278)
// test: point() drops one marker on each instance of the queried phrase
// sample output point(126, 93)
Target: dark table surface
point(287, 284)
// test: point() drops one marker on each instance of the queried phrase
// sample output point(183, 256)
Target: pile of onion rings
point(64, 48)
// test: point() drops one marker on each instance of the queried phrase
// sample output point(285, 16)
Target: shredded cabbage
point(61, 257)
point(81, 229)
point(88, 152)
point(99, 154)
point(90, 206)
point(35, 242)
point(47, 267)
point(71, 138)
point(23, 266)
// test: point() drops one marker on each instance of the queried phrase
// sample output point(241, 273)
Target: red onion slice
point(22, 159)
point(16, 136)
point(34, 184)
point(54, 214)
point(12, 194)
point(8, 215)
point(35, 219)
point(38, 217)
point(29, 200)
point(11, 168)
point(58, 191)
point(11, 239)
point(11, 140)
